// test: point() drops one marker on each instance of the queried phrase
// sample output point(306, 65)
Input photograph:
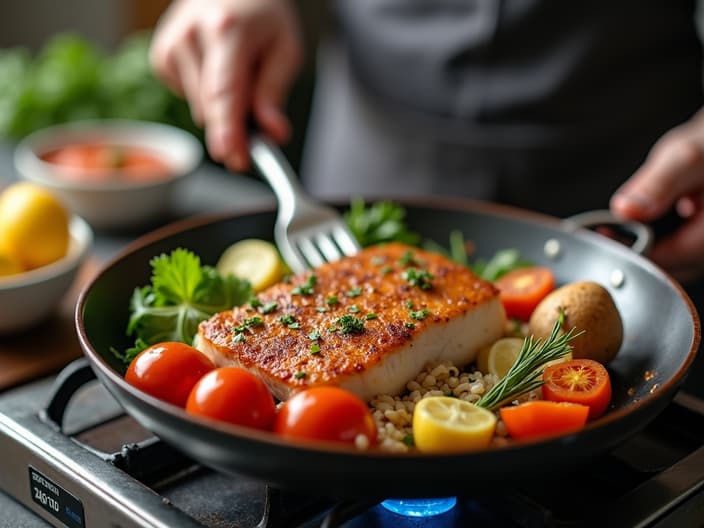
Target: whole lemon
point(33, 225)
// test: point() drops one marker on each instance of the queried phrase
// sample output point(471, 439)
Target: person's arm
point(672, 176)
point(230, 59)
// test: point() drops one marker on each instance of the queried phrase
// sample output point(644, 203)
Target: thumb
point(674, 169)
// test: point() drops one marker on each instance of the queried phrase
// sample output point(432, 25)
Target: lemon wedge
point(33, 225)
point(449, 425)
point(9, 265)
point(256, 260)
point(502, 355)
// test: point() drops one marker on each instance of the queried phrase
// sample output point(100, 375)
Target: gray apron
point(548, 105)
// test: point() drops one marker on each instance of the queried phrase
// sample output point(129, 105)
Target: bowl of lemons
point(42, 246)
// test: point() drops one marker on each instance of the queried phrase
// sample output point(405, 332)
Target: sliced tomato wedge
point(582, 381)
point(541, 418)
point(522, 289)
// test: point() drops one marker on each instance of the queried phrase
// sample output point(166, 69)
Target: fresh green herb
point(314, 335)
point(239, 338)
point(321, 309)
point(289, 321)
point(307, 287)
point(72, 78)
point(409, 325)
point(386, 270)
point(353, 308)
point(408, 440)
point(349, 324)
point(254, 302)
point(248, 323)
point(332, 300)
point(417, 277)
point(333, 329)
point(314, 348)
point(525, 374)
point(382, 221)
point(408, 259)
point(370, 316)
point(301, 374)
point(409, 304)
point(419, 315)
point(354, 292)
point(500, 264)
point(269, 307)
point(182, 293)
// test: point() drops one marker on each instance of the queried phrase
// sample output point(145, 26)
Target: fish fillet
point(368, 323)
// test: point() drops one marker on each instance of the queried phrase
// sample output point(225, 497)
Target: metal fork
point(306, 232)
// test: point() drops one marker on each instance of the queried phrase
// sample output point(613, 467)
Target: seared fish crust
point(368, 323)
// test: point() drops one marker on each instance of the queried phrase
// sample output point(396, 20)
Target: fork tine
point(327, 247)
point(345, 240)
point(310, 252)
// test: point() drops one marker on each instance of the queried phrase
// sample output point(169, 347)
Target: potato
point(587, 306)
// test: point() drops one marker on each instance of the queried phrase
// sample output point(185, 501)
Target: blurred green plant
point(71, 78)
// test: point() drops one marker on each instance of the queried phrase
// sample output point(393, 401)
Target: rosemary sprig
point(525, 374)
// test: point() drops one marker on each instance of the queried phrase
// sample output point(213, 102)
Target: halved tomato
point(582, 381)
point(540, 418)
point(522, 289)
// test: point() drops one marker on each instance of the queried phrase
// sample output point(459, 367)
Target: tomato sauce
point(99, 162)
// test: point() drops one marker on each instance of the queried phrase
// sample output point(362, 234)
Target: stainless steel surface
point(307, 233)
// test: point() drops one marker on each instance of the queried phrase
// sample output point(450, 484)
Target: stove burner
point(82, 446)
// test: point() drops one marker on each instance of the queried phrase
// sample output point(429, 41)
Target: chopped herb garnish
point(315, 348)
point(300, 375)
point(417, 277)
point(349, 324)
point(408, 440)
point(333, 329)
point(353, 309)
point(248, 323)
point(408, 259)
point(332, 300)
point(321, 309)
point(307, 287)
point(370, 316)
point(419, 315)
point(409, 304)
point(290, 321)
point(254, 302)
point(269, 307)
point(314, 335)
point(354, 292)
point(409, 325)
point(386, 270)
point(378, 260)
point(239, 338)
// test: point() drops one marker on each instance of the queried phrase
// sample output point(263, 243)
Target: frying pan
point(661, 336)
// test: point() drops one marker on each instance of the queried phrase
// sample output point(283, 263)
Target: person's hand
point(230, 59)
point(671, 177)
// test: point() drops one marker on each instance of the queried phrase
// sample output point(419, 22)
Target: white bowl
point(116, 203)
point(28, 298)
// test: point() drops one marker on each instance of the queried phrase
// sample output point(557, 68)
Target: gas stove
point(72, 458)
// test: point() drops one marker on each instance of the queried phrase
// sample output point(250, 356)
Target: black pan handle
point(639, 237)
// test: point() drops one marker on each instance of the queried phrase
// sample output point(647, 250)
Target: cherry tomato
point(325, 413)
point(582, 381)
point(233, 395)
point(541, 418)
point(168, 371)
point(522, 289)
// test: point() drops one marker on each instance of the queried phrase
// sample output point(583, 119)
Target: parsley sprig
point(182, 293)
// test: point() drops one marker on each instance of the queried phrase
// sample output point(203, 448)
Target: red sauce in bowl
point(100, 162)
